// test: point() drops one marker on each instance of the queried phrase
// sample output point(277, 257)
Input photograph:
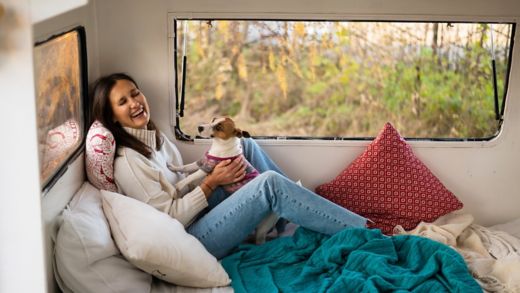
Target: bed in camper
point(405, 112)
point(104, 241)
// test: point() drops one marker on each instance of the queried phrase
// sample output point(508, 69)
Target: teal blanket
point(353, 260)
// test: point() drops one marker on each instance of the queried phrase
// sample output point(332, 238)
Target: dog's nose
point(200, 128)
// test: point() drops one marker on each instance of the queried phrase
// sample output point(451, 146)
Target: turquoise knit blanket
point(353, 260)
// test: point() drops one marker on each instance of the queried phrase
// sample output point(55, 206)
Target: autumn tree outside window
point(60, 71)
point(344, 79)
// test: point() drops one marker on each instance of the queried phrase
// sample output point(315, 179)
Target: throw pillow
point(99, 157)
point(59, 144)
point(389, 185)
point(60, 140)
point(159, 245)
point(86, 257)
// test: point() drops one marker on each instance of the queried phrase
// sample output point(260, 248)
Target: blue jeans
point(232, 218)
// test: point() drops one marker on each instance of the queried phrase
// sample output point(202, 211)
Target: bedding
point(353, 260)
point(493, 257)
point(159, 245)
point(86, 259)
point(389, 185)
point(512, 227)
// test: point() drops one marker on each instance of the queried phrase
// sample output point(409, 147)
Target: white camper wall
point(21, 249)
point(44, 9)
point(59, 195)
point(82, 16)
point(133, 39)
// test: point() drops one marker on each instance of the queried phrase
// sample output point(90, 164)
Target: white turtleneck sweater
point(150, 180)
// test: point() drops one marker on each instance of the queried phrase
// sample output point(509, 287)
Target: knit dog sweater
point(208, 163)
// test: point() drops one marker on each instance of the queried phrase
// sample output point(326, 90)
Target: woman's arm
point(225, 172)
point(138, 178)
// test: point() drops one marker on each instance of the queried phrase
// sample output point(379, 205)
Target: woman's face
point(129, 105)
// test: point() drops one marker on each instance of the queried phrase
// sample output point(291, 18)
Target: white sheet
point(511, 227)
point(493, 257)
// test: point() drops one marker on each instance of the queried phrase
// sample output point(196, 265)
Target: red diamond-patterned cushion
point(390, 185)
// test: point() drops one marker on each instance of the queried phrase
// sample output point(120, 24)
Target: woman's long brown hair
point(102, 111)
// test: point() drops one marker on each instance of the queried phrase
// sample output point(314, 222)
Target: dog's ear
point(239, 133)
point(246, 134)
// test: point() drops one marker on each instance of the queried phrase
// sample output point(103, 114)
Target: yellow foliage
point(343, 61)
point(219, 91)
point(242, 68)
point(201, 47)
point(325, 42)
point(282, 79)
point(63, 52)
point(314, 59)
point(313, 55)
point(296, 68)
point(200, 51)
point(223, 29)
point(219, 88)
point(299, 29)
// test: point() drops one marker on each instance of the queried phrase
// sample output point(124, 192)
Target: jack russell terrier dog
point(226, 145)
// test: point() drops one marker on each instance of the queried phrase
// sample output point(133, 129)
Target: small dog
point(226, 145)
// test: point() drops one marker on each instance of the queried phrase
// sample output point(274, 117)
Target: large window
point(60, 97)
point(344, 79)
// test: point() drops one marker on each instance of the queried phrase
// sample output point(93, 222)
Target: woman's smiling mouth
point(138, 113)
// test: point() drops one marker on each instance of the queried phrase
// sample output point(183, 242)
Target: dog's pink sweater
point(208, 163)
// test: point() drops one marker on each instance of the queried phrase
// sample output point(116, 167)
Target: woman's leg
point(228, 224)
point(257, 157)
point(262, 162)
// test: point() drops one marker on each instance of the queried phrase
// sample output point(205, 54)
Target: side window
point(344, 79)
point(60, 76)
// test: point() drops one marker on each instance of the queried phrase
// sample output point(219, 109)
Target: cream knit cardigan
point(150, 181)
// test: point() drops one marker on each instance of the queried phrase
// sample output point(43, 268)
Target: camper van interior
point(397, 119)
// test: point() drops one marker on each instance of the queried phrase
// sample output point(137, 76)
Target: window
point(344, 79)
point(60, 76)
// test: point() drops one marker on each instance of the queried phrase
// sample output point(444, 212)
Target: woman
point(219, 221)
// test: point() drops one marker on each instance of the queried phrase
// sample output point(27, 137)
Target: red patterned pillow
point(59, 143)
point(390, 185)
point(99, 157)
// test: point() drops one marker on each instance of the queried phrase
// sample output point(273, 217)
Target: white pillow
point(159, 245)
point(87, 259)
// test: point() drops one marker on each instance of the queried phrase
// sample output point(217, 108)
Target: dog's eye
point(218, 127)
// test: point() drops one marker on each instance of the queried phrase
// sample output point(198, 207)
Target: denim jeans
point(231, 218)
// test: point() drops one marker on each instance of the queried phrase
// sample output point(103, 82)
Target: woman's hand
point(227, 172)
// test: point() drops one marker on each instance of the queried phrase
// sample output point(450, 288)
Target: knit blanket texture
point(352, 260)
point(492, 256)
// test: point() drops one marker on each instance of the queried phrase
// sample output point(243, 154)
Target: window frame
point(84, 103)
point(175, 76)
